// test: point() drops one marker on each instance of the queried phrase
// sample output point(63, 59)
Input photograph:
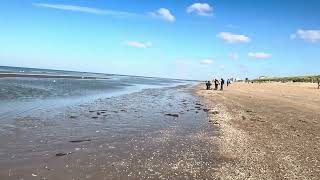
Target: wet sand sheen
point(156, 133)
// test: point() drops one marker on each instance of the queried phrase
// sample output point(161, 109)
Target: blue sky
point(165, 38)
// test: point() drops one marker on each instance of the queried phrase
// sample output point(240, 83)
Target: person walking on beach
point(208, 84)
point(221, 83)
point(318, 83)
point(216, 84)
point(247, 80)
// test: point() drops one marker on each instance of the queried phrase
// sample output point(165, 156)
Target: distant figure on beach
point(216, 84)
point(228, 82)
point(318, 83)
point(222, 83)
point(208, 84)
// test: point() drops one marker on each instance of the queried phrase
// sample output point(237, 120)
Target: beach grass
point(310, 79)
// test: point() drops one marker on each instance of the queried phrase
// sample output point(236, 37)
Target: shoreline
point(267, 131)
point(154, 133)
point(39, 75)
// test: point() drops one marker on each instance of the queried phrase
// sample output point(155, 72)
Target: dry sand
point(267, 131)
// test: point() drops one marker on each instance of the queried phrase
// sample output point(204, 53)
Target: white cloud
point(85, 9)
point(307, 35)
point(222, 67)
point(234, 56)
point(207, 61)
point(201, 9)
point(259, 55)
point(233, 38)
point(164, 13)
point(137, 44)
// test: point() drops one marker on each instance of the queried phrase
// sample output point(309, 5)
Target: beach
point(267, 130)
point(154, 89)
point(129, 127)
point(159, 133)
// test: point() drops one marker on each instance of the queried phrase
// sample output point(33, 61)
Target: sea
point(22, 94)
point(80, 125)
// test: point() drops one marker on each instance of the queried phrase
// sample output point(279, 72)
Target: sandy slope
point(268, 131)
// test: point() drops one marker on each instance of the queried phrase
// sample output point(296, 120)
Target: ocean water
point(20, 94)
point(112, 127)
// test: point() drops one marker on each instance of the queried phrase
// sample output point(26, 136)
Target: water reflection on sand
point(117, 137)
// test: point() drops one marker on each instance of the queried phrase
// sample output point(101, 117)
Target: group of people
point(217, 83)
point(221, 83)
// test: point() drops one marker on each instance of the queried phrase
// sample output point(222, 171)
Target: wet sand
point(157, 133)
point(266, 131)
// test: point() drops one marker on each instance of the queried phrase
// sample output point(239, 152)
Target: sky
point(163, 38)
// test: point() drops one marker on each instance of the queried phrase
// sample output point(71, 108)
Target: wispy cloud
point(164, 14)
point(161, 13)
point(233, 38)
point(307, 35)
point(201, 9)
point(85, 9)
point(259, 55)
point(137, 44)
point(206, 61)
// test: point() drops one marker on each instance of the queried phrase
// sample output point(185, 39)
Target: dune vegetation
point(311, 79)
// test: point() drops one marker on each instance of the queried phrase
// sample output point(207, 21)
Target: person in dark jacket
point(208, 84)
point(216, 84)
point(221, 84)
